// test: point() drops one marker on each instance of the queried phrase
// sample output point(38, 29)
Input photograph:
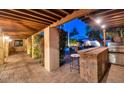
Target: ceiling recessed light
point(10, 40)
point(98, 20)
point(103, 26)
point(7, 37)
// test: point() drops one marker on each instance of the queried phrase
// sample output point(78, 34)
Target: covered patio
point(32, 45)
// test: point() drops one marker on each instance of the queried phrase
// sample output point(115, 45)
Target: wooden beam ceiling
point(23, 17)
point(112, 14)
point(41, 14)
point(19, 37)
point(9, 25)
point(19, 33)
point(30, 15)
point(75, 14)
point(33, 26)
point(50, 12)
point(29, 21)
point(115, 24)
point(111, 17)
point(63, 11)
point(103, 12)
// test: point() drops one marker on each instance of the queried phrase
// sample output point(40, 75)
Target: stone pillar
point(51, 45)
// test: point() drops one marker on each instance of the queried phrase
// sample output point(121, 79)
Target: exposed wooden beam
point(115, 25)
point(104, 12)
point(75, 14)
point(108, 20)
point(113, 20)
point(33, 11)
point(9, 17)
point(33, 16)
point(63, 11)
point(22, 17)
point(19, 22)
point(19, 33)
point(32, 29)
point(19, 37)
point(27, 27)
point(112, 15)
point(33, 25)
point(104, 17)
point(115, 16)
point(48, 11)
point(16, 34)
point(116, 22)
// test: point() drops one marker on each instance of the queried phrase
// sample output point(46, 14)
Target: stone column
point(51, 46)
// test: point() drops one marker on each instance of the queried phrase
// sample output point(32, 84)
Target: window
point(18, 43)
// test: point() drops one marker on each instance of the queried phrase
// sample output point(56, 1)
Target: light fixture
point(10, 40)
point(103, 26)
point(7, 37)
point(98, 21)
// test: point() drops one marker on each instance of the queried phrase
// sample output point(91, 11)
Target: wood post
point(29, 46)
point(6, 48)
point(33, 46)
point(2, 51)
point(104, 37)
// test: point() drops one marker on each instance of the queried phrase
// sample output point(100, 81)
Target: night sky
point(80, 27)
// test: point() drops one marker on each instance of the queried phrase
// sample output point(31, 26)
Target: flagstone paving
point(22, 68)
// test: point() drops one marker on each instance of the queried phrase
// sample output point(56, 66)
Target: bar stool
point(75, 62)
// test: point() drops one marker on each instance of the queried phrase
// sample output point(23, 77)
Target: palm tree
point(74, 32)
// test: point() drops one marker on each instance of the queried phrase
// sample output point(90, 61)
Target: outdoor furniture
point(67, 58)
point(75, 62)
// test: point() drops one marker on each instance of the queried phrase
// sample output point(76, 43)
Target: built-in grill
point(116, 53)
